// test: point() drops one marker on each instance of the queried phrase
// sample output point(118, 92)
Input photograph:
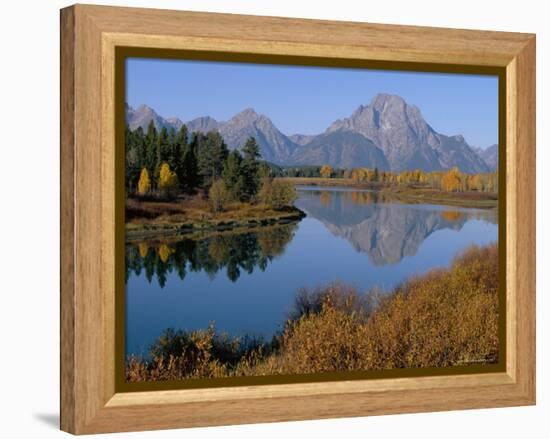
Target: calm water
point(246, 283)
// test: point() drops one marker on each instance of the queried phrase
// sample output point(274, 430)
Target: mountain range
point(388, 133)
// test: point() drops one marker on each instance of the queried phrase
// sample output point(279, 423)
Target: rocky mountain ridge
point(388, 133)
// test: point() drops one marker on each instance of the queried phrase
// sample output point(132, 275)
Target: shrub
point(219, 196)
point(444, 318)
point(176, 356)
point(277, 194)
point(194, 354)
point(337, 295)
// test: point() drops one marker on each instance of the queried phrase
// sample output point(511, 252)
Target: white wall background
point(29, 218)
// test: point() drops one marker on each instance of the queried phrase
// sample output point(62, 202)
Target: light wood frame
point(89, 36)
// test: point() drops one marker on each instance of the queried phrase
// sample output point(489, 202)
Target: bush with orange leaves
point(446, 317)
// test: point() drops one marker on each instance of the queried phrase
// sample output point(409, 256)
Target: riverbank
point(408, 194)
point(433, 196)
point(193, 217)
point(339, 182)
point(337, 328)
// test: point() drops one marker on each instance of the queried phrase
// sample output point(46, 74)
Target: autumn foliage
point(144, 184)
point(446, 317)
point(277, 194)
point(326, 171)
point(218, 195)
point(168, 180)
point(451, 180)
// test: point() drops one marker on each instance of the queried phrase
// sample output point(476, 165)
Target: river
point(246, 283)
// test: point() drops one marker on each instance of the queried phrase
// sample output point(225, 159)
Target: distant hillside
point(490, 156)
point(388, 133)
point(342, 149)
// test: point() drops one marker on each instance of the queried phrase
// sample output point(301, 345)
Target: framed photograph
point(267, 219)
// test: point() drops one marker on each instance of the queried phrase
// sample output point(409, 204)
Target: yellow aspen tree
point(451, 181)
point(475, 183)
point(144, 183)
point(168, 179)
point(326, 171)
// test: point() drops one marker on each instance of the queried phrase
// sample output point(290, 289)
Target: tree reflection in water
point(234, 252)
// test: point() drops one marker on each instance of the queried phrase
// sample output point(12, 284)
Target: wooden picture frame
point(90, 36)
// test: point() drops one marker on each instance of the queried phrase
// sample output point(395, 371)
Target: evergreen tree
point(174, 149)
point(140, 144)
point(151, 148)
point(162, 151)
point(211, 155)
point(191, 157)
point(179, 151)
point(232, 174)
point(132, 166)
point(189, 176)
point(251, 168)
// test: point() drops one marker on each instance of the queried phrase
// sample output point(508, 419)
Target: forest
point(176, 181)
point(164, 163)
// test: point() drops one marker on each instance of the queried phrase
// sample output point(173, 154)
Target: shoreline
point(163, 227)
point(254, 217)
point(482, 200)
point(455, 199)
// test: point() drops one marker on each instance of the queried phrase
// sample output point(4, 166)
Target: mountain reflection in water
point(384, 229)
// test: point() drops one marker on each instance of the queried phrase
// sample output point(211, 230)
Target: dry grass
point(420, 194)
point(195, 209)
point(146, 219)
point(190, 209)
point(320, 181)
point(446, 317)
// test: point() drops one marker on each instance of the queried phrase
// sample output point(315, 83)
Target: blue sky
point(306, 100)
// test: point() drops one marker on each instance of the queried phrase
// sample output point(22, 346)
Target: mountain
point(406, 139)
point(490, 156)
point(203, 124)
point(274, 145)
point(143, 115)
point(342, 149)
point(301, 139)
point(173, 122)
point(388, 133)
